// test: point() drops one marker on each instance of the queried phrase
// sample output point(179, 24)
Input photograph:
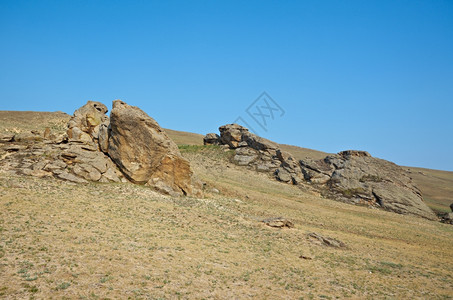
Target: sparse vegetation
point(116, 240)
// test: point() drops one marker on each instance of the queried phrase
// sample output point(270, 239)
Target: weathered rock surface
point(357, 177)
point(259, 154)
point(86, 123)
point(145, 154)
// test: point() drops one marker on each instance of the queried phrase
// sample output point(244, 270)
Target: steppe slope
point(92, 241)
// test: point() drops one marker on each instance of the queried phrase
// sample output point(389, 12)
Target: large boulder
point(145, 154)
point(357, 177)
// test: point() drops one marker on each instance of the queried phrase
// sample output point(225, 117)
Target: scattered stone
point(325, 241)
point(279, 222)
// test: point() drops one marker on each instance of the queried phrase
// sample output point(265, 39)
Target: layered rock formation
point(131, 146)
point(350, 176)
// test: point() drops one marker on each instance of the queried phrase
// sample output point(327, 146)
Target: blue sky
point(369, 75)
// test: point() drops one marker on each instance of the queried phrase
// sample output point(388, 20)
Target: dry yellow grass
point(185, 138)
point(122, 240)
point(25, 121)
point(436, 186)
point(114, 241)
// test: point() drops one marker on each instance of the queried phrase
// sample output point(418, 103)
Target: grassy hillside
point(100, 241)
point(115, 241)
point(25, 121)
point(185, 138)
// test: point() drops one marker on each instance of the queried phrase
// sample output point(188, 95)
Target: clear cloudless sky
point(369, 75)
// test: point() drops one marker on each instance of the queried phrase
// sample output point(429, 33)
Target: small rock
point(279, 222)
point(305, 257)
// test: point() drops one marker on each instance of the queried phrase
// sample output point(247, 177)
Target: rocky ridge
point(350, 176)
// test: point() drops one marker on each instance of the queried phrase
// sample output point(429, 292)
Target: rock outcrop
point(357, 177)
point(259, 154)
point(74, 156)
point(350, 176)
point(72, 161)
point(145, 154)
point(129, 147)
